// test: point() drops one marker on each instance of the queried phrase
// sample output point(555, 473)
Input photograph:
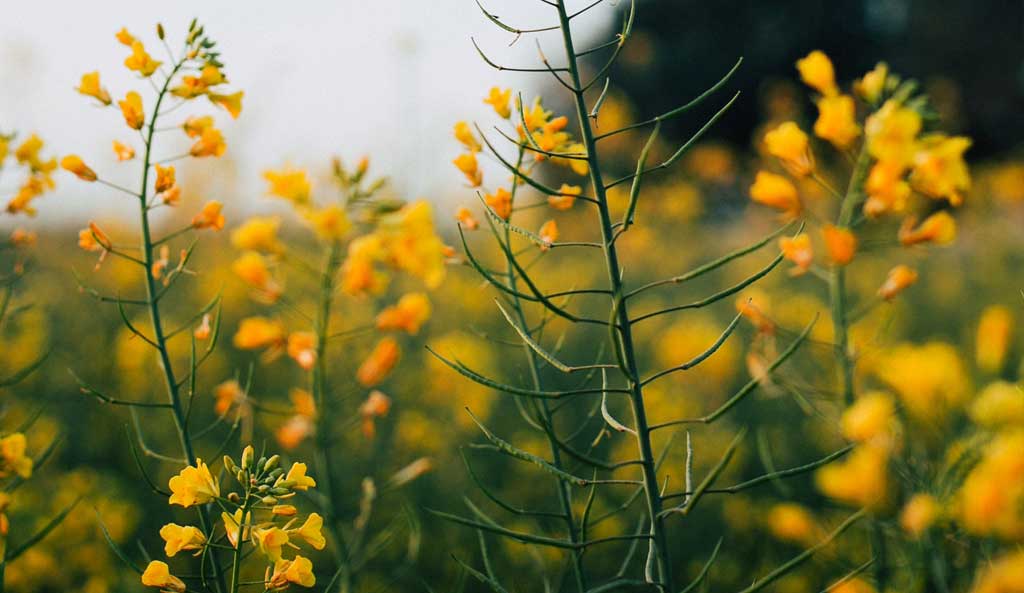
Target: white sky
point(321, 77)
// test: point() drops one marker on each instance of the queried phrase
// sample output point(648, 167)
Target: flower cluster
point(38, 171)
point(256, 515)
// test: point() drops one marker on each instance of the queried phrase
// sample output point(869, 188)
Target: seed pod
point(160, 31)
point(279, 491)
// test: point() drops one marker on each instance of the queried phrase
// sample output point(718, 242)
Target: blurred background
point(389, 79)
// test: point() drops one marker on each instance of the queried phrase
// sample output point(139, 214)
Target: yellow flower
point(227, 395)
point(854, 585)
point(330, 223)
point(919, 514)
point(899, 278)
point(93, 238)
point(499, 100)
point(232, 103)
point(466, 162)
point(817, 72)
point(464, 134)
point(999, 404)
point(269, 541)
point(566, 197)
point(840, 243)
point(90, 87)
point(76, 165)
point(123, 152)
point(788, 143)
point(194, 126)
point(411, 244)
point(298, 570)
point(775, 191)
point(311, 531)
point(302, 349)
point(861, 479)
point(140, 61)
point(872, 84)
point(837, 121)
point(930, 379)
point(792, 523)
point(193, 485)
point(251, 267)
point(1003, 575)
point(994, 338)
point(210, 143)
point(158, 575)
point(259, 233)
point(870, 418)
point(284, 510)
point(377, 405)
point(501, 202)
point(12, 452)
point(548, 233)
point(798, 250)
point(125, 37)
point(232, 525)
point(938, 229)
point(891, 133)
point(939, 170)
point(290, 184)
point(991, 499)
point(466, 219)
point(408, 315)
point(22, 238)
point(131, 108)
point(887, 191)
point(297, 476)
point(180, 538)
point(376, 367)
point(209, 217)
point(259, 332)
point(164, 179)
point(359, 276)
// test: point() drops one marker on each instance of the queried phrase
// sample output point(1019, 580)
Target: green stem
point(159, 337)
point(236, 554)
point(643, 436)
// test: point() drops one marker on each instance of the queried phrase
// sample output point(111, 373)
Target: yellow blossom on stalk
point(840, 243)
point(131, 109)
point(377, 405)
point(90, 87)
point(190, 87)
point(870, 418)
point(376, 367)
point(28, 153)
point(140, 61)
point(257, 332)
point(466, 162)
point(775, 191)
point(798, 250)
point(330, 223)
point(466, 219)
point(295, 430)
point(193, 485)
point(297, 476)
point(411, 472)
point(290, 184)
point(548, 233)
point(209, 217)
point(164, 179)
point(195, 125)
point(310, 531)
point(298, 570)
point(252, 268)
point(891, 133)
point(792, 523)
point(938, 229)
point(499, 99)
point(22, 238)
point(231, 103)
point(854, 585)
point(501, 202)
point(991, 499)
point(284, 510)
point(203, 330)
point(74, 164)
point(919, 514)
point(464, 134)
point(210, 143)
point(566, 197)
point(1002, 575)
point(93, 238)
point(232, 525)
point(871, 85)
point(887, 190)
point(837, 121)
point(860, 479)
point(158, 575)
point(408, 315)
point(269, 541)
point(411, 244)
point(125, 37)
point(123, 152)
point(788, 143)
point(999, 404)
point(301, 348)
point(817, 72)
point(180, 538)
point(930, 379)
point(939, 170)
point(994, 338)
point(259, 233)
point(898, 279)
point(12, 454)
point(358, 274)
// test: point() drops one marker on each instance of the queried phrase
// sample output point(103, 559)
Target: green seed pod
point(160, 31)
point(279, 491)
point(261, 464)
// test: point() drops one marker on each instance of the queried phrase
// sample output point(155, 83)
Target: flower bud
point(269, 500)
point(247, 456)
point(160, 31)
point(272, 462)
point(233, 497)
point(229, 464)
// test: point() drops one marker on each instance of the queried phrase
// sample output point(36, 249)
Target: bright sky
point(321, 77)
